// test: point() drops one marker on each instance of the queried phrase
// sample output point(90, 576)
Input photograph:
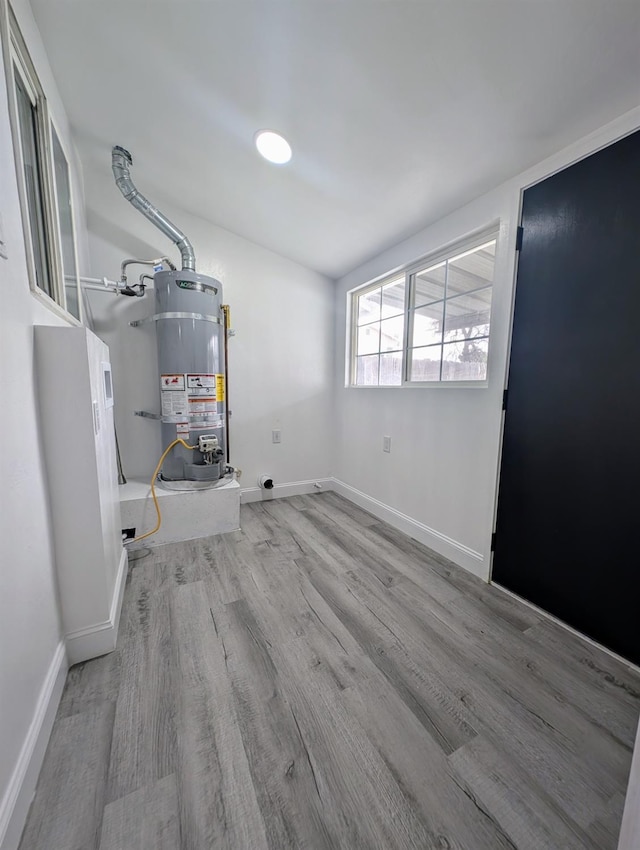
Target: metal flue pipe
point(120, 161)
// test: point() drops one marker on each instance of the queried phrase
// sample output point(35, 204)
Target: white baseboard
point(446, 546)
point(99, 638)
point(281, 491)
point(14, 806)
point(453, 550)
point(118, 591)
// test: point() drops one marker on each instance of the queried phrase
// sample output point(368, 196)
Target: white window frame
point(353, 295)
point(18, 61)
point(53, 128)
point(452, 249)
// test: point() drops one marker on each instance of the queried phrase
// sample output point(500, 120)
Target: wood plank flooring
point(319, 680)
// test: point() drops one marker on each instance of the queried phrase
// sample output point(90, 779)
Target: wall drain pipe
point(120, 161)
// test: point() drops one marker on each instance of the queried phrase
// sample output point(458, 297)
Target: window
point(449, 317)
point(44, 184)
point(65, 224)
point(33, 180)
point(379, 334)
point(429, 324)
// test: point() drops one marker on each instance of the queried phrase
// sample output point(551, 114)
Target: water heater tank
point(190, 340)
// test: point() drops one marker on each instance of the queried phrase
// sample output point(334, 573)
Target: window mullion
point(353, 341)
point(408, 325)
point(444, 316)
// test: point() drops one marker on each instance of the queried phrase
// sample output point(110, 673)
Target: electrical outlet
point(386, 444)
point(276, 436)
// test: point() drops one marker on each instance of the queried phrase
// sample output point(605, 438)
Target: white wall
point(280, 361)
point(30, 631)
point(439, 481)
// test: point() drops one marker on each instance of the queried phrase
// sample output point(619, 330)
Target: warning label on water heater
point(172, 382)
point(174, 405)
point(201, 384)
point(205, 385)
point(191, 397)
point(174, 398)
point(202, 404)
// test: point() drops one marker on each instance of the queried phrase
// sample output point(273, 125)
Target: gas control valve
point(207, 443)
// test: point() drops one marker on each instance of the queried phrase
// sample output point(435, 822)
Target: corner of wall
point(100, 638)
point(446, 546)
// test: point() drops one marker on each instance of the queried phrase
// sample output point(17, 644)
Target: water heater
point(190, 342)
point(190, 331)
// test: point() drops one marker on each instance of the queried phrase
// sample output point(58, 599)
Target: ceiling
point(398, 111)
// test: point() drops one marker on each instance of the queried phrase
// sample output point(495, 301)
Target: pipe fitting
point(265, 482)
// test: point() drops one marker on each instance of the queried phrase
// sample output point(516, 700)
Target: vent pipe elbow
point(121, 160)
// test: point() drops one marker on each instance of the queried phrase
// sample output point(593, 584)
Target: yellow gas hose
point(153, 488)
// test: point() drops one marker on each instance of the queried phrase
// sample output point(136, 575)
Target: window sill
point(48, 302)
point(426, 385)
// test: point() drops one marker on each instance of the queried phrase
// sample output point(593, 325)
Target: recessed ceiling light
point(273, 146)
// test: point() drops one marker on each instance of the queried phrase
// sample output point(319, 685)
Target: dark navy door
point(568, 525)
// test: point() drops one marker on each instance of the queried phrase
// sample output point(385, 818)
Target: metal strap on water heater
point(201, 317)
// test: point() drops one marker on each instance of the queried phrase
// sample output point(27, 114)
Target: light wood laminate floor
point(318, 680)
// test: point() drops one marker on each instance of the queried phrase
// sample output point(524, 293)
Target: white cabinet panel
point(78, 435)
